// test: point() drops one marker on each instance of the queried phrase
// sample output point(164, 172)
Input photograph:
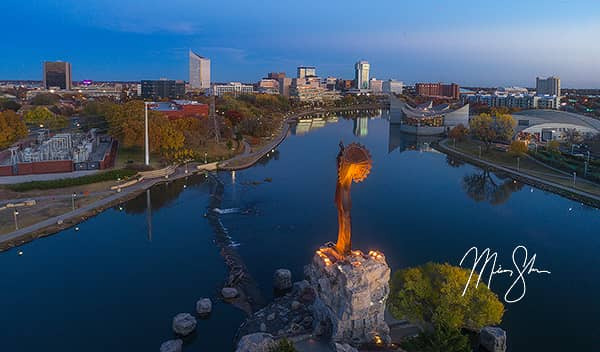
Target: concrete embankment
point(567, 192)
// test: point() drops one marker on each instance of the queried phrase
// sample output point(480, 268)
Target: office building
point(361, 75)
point(392, 86)
point(547, 86)
point(310, 89)
point(57, 74)
point(376, 85)
point(438, 90)
point(276, 75)
point(163, 88)
point(307, 71)
point(233, 88)
point(268, 86)
point(284, 86)
point(199, 71)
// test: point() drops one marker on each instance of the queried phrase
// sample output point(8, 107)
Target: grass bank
point(111, 175)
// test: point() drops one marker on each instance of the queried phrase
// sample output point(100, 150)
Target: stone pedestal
point(493, 339)
point(351, 296)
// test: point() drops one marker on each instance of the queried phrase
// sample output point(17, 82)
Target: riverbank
point(545, 181)
point(245, 160)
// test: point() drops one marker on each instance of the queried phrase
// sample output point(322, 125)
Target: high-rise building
point(547, 86)
point(376, 85)
point(361, 74)
point(284, 86)
point(163, 88)
point(451, 90)
point(57, 74)
point(199, 71)
point(307, 71)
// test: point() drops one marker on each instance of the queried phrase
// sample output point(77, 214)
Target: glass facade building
point(199, 71)
point(57, 74)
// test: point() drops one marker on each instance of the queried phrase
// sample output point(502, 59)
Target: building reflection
point(405, 141)
point(361, 126)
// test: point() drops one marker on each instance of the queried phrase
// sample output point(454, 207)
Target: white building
point(199, 71)
point(307, 71)
point(547, 86)
point(235, 88)
point(361, 74)
point(376, 85)
point(392, 86)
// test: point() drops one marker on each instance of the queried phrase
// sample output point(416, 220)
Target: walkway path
point(553, 186)
point(7, 180)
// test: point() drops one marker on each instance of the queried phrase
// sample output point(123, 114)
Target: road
point(7, 180)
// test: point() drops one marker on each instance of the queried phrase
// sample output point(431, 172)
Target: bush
point(70, 182)
point(442, 338)
point(283, 345)
point(459, 132)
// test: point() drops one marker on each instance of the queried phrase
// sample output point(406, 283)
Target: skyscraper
point(307, 71)
point(547, 86)
point(57, 74)
point(199, 71)
point(361, 74)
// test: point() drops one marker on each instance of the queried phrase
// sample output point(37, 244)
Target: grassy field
point(526, 165)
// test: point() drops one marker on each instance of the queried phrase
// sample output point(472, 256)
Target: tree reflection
point(482, 187)
point(454, 162)
point(162, 194)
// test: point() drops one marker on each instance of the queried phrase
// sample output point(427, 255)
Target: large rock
point(350, 296)
point(493, 339)
point(172, 346)
point(259, 342)
point(204, 306)
point(282, 279)
point(229, 292)
point(344, 348)
point(184, 324)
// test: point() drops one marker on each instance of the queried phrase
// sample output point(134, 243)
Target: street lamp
point(205, 156)
point(73, 200)
point(479, 152)
point(146, 147)
point(518, 163)
point(16, 212)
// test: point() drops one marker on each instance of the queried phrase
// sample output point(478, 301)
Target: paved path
point(114, 196)
point(443, 145)
point(7, 180)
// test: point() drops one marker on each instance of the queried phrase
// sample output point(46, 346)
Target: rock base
point(351, 294)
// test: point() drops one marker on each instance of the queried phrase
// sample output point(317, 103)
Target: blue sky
point(489, 43)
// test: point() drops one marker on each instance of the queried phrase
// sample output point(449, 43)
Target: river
point(115, 284)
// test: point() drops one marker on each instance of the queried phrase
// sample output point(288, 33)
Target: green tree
point(433, 293)
point(6, 104)
point(283, 345)
point(553, 147)
point(441, 339)
point(45, 99)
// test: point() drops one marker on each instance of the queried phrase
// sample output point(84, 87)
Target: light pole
point(586, 168)
point(73, 200)
point(574, 176)
point(16, 212)
point(588, 153)
point(518, 163)
point(479, 152)
point(205, 156)
point(146, 146)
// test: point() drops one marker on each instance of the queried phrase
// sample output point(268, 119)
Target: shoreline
point(36, 231)
point(545, 185)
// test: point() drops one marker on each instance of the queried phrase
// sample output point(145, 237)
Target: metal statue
point(354, 164)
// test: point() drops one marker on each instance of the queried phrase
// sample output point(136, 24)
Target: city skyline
point(459, 42)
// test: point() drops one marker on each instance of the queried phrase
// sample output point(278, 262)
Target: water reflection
point(404, 141)
point(161, 195)
point(482, 187)
point(361, 126)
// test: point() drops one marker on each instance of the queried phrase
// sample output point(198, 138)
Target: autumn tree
point(433, 294)
point(41, 116)
point(459, 132)
point(504, 124)
point(12, 128)
point(553, 147)
point(482, 128)
point(518, 148)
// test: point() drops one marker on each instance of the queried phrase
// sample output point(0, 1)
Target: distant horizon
point(471, 43)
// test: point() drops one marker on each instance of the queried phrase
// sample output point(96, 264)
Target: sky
point(473, 43)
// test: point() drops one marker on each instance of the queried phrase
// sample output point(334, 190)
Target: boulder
point(344, 348)
point(282, 279)
point(349, 297)
point(172, 346)
point(229, 292)
point(184, 324)
point(204, 306)
point(258, 342)
point(493, 339)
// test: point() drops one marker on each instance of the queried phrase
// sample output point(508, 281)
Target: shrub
point(517, 148)
point(283, 345)
point(459, 132)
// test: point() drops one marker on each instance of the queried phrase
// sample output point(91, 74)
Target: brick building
point(451, 90)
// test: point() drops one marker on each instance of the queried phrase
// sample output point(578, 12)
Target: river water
point(115, 284)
